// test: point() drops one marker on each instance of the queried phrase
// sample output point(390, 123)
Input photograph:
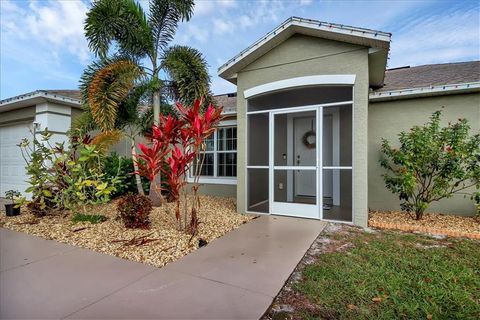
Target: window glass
point(210, 142)
point(208, 164)
point(220, 154)
point(227, 164)
point(227, 139)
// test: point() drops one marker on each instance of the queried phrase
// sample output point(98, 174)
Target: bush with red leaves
point(134, 209)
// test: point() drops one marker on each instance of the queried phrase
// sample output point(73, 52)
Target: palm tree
point(133, 51)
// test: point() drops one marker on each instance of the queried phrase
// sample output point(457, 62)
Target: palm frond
point(188, 74)
point(134, 105)
point(108, 87)
point(120, 21)
point(104, 140)
point(164, 17)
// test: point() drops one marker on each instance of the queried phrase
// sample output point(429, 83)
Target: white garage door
point(12, 164)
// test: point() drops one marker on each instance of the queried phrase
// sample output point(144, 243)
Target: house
point(302, 133)
point(20, 117)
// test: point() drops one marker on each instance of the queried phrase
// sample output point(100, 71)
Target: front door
point(304, 152)
point(294, 163)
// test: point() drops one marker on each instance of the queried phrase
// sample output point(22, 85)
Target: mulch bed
point(157, 246)
point(433, 223)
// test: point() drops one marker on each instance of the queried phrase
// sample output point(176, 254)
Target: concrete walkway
point(234, 277)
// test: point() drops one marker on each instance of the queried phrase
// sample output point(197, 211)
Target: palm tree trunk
point(138, 179)
point(156, 106)
point(155, 195)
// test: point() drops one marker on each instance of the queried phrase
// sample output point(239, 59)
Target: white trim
point(335, 79)
point(294, 168)
point(337, 168)
point(257, 167)
point(213, 180)
point(302, 108)
point(432, 90)
point(302, 210)
point(228, 123)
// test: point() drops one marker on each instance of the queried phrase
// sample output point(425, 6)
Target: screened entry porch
point(299, 153)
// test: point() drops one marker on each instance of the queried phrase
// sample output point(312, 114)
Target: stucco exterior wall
point(218, 190)
point(297, 57)
point(387, 119)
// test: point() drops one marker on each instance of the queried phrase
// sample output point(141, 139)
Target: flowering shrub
point(62, 178)
point(177, 141)
point(134, 209)
point(432, 163)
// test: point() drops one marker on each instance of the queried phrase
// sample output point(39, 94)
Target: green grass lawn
point(389, 275)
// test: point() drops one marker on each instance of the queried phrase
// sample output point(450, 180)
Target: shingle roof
point(228, 101)
point(431, 75)
point(395, 79)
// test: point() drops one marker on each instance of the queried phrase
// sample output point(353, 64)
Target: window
point(220, 156)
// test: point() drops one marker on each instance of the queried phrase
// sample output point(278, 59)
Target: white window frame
point(216, 179)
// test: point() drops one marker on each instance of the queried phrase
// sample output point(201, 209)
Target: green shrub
point(61, 177)
point(134, 210)
point(122, 168)
point(432, 163)
point(92, 218)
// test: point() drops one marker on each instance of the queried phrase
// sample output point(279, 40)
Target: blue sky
point(42, 45)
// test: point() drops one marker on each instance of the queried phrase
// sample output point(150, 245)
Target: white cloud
point(305, 2)
point(221, 26)
point(58, 24)
point(437, 38)
point(204, 7)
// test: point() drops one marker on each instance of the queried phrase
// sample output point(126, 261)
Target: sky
point(42, 43)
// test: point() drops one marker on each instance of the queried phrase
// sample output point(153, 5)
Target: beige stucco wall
point(218, 190)
point(293, 58)
point(387, 119)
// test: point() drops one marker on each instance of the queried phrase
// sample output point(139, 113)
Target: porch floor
point(234, 277)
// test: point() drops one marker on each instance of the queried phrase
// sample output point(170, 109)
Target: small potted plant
point(12, 209)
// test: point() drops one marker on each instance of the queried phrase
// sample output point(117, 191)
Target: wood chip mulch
point(433, 223)
point(157, 246)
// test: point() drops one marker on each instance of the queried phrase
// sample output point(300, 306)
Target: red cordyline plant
point(177, 142)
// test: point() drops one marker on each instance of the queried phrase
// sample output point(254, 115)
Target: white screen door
point(294, 161)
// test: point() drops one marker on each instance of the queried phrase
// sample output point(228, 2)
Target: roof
point(228, 101)
point(74, 94)
point(68, 97)
point(431, 75)
point(379, 41)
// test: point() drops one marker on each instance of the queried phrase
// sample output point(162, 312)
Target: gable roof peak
point(315, 28)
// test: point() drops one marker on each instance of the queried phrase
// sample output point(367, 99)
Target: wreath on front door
point(308, 139)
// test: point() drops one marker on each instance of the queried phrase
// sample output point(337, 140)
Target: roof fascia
point(33, 98)
point(424, 91)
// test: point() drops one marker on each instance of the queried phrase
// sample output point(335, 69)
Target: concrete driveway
point(234, 277)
